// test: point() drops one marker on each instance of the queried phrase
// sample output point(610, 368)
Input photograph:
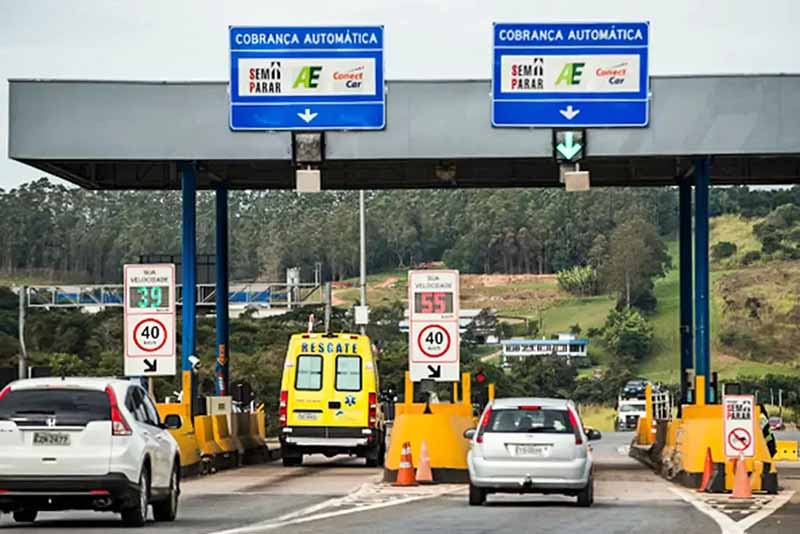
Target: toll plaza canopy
point(133, 135)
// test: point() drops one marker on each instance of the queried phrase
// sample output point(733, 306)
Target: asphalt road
point(341, 495)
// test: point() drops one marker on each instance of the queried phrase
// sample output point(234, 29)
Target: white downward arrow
point(568, 113)
point(307, 115)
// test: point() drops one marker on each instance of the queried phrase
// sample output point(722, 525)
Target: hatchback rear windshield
point(68, 406)
point(527, 420)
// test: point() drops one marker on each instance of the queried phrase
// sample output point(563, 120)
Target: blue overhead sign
point(313, 78)
point(568, 75)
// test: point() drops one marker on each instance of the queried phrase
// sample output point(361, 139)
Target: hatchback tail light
point(574, 422)
point(487, 415)
point(119, 426)
point(373, 409)
point(283, 408)
point(4, 392)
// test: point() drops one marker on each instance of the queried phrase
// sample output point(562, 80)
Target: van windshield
point(309, 373)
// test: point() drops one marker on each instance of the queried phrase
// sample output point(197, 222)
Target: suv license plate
point(58, 439)
point(532, 451)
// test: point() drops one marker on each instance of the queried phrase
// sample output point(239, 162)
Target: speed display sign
point(150, 320)
point(433, 331)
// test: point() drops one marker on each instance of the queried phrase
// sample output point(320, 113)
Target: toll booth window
point(348, 373)
point(309, 373)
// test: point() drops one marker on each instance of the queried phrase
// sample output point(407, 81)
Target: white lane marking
point(728, 525)
point(308, 514)
point(775, 504)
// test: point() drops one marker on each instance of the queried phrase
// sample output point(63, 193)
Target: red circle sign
point(162, 333)
point(436, 343)
point(739, 439)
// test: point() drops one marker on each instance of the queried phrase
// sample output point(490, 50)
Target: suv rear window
point(523, 420)
point(70, 407)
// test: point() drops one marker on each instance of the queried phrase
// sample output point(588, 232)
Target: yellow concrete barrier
point(261, 422)
point(222, 435)
point(255, 433)
point(786, 451)
point(204, 430)
point(185, 436)
point(241, 426)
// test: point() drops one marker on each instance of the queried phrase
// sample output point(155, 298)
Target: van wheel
point(292, 461)
point(136, 515)
point(477, 496)
point(586, 496)
point(374, 455)
point(167, 510)
point(26, 515)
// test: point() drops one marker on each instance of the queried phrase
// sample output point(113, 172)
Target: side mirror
point(592, 434)
point(173, 422)
point(469, 433)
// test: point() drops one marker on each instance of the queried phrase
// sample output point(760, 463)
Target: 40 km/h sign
point(433, 330)
point(149, 320)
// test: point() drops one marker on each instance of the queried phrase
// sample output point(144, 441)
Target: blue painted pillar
point(701, 286)
point(222, 386)
point(685, 272)
point(189, 275)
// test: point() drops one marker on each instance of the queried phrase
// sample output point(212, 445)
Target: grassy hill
point(755, 315)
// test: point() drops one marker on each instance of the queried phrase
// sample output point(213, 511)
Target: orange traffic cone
point(405, 472)
point(741, 482)
point(708, 469)
point(424, 474)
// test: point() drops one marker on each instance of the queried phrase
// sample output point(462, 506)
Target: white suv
point(86, 443)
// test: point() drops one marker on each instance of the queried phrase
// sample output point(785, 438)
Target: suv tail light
point(4, 392)
point(283, 409)
point(487, 415)
point(119, 426)
point(574, 422)
point(373, 409)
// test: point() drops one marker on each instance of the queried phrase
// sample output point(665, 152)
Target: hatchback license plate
point(59, 439)
point(532, 451)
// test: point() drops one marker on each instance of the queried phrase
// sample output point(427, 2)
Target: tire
point(292, 461)
point(374, 455)
point(586, 495)
point(167, 510)
point(136, 515)
point(25, 515)
point(477, 496)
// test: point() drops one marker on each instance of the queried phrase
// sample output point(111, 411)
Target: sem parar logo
point(571, 74)
point(308, 77)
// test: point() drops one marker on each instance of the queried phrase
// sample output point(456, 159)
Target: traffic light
point(480, 377)
point(480, 390)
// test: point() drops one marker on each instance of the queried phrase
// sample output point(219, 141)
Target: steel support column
point(189, 276)
point(685, 272)
point(701, 285)
point(223, 348)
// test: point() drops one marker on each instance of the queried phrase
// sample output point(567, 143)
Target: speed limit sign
point(150, 320)
point(433, 339)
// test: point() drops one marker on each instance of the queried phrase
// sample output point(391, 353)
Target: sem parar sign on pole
point(568, 75)
point(149, 320)
point(307, 78)
point(740, 425)
point(433, 330)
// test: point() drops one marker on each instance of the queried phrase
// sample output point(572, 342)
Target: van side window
point(348, 373)
point(309, 373)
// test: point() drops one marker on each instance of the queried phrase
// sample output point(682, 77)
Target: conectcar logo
point(615, 73)
point(352, 78)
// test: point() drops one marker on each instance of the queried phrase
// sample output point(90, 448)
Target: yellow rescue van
point(329, 399)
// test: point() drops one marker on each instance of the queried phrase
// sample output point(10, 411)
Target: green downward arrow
point(569, 148)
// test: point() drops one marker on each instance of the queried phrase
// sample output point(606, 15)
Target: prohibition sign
point(739, 439)
point(438, 340)
point(161, 329)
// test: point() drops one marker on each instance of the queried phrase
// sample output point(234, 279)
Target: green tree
point(628, 335)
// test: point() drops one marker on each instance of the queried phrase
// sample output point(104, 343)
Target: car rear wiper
point(543, 429)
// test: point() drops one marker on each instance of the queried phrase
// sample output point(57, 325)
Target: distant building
point(567, 346)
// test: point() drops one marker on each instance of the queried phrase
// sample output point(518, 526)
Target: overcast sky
point(436, 39)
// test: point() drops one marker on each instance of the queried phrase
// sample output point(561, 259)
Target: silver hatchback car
point(531, 445)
